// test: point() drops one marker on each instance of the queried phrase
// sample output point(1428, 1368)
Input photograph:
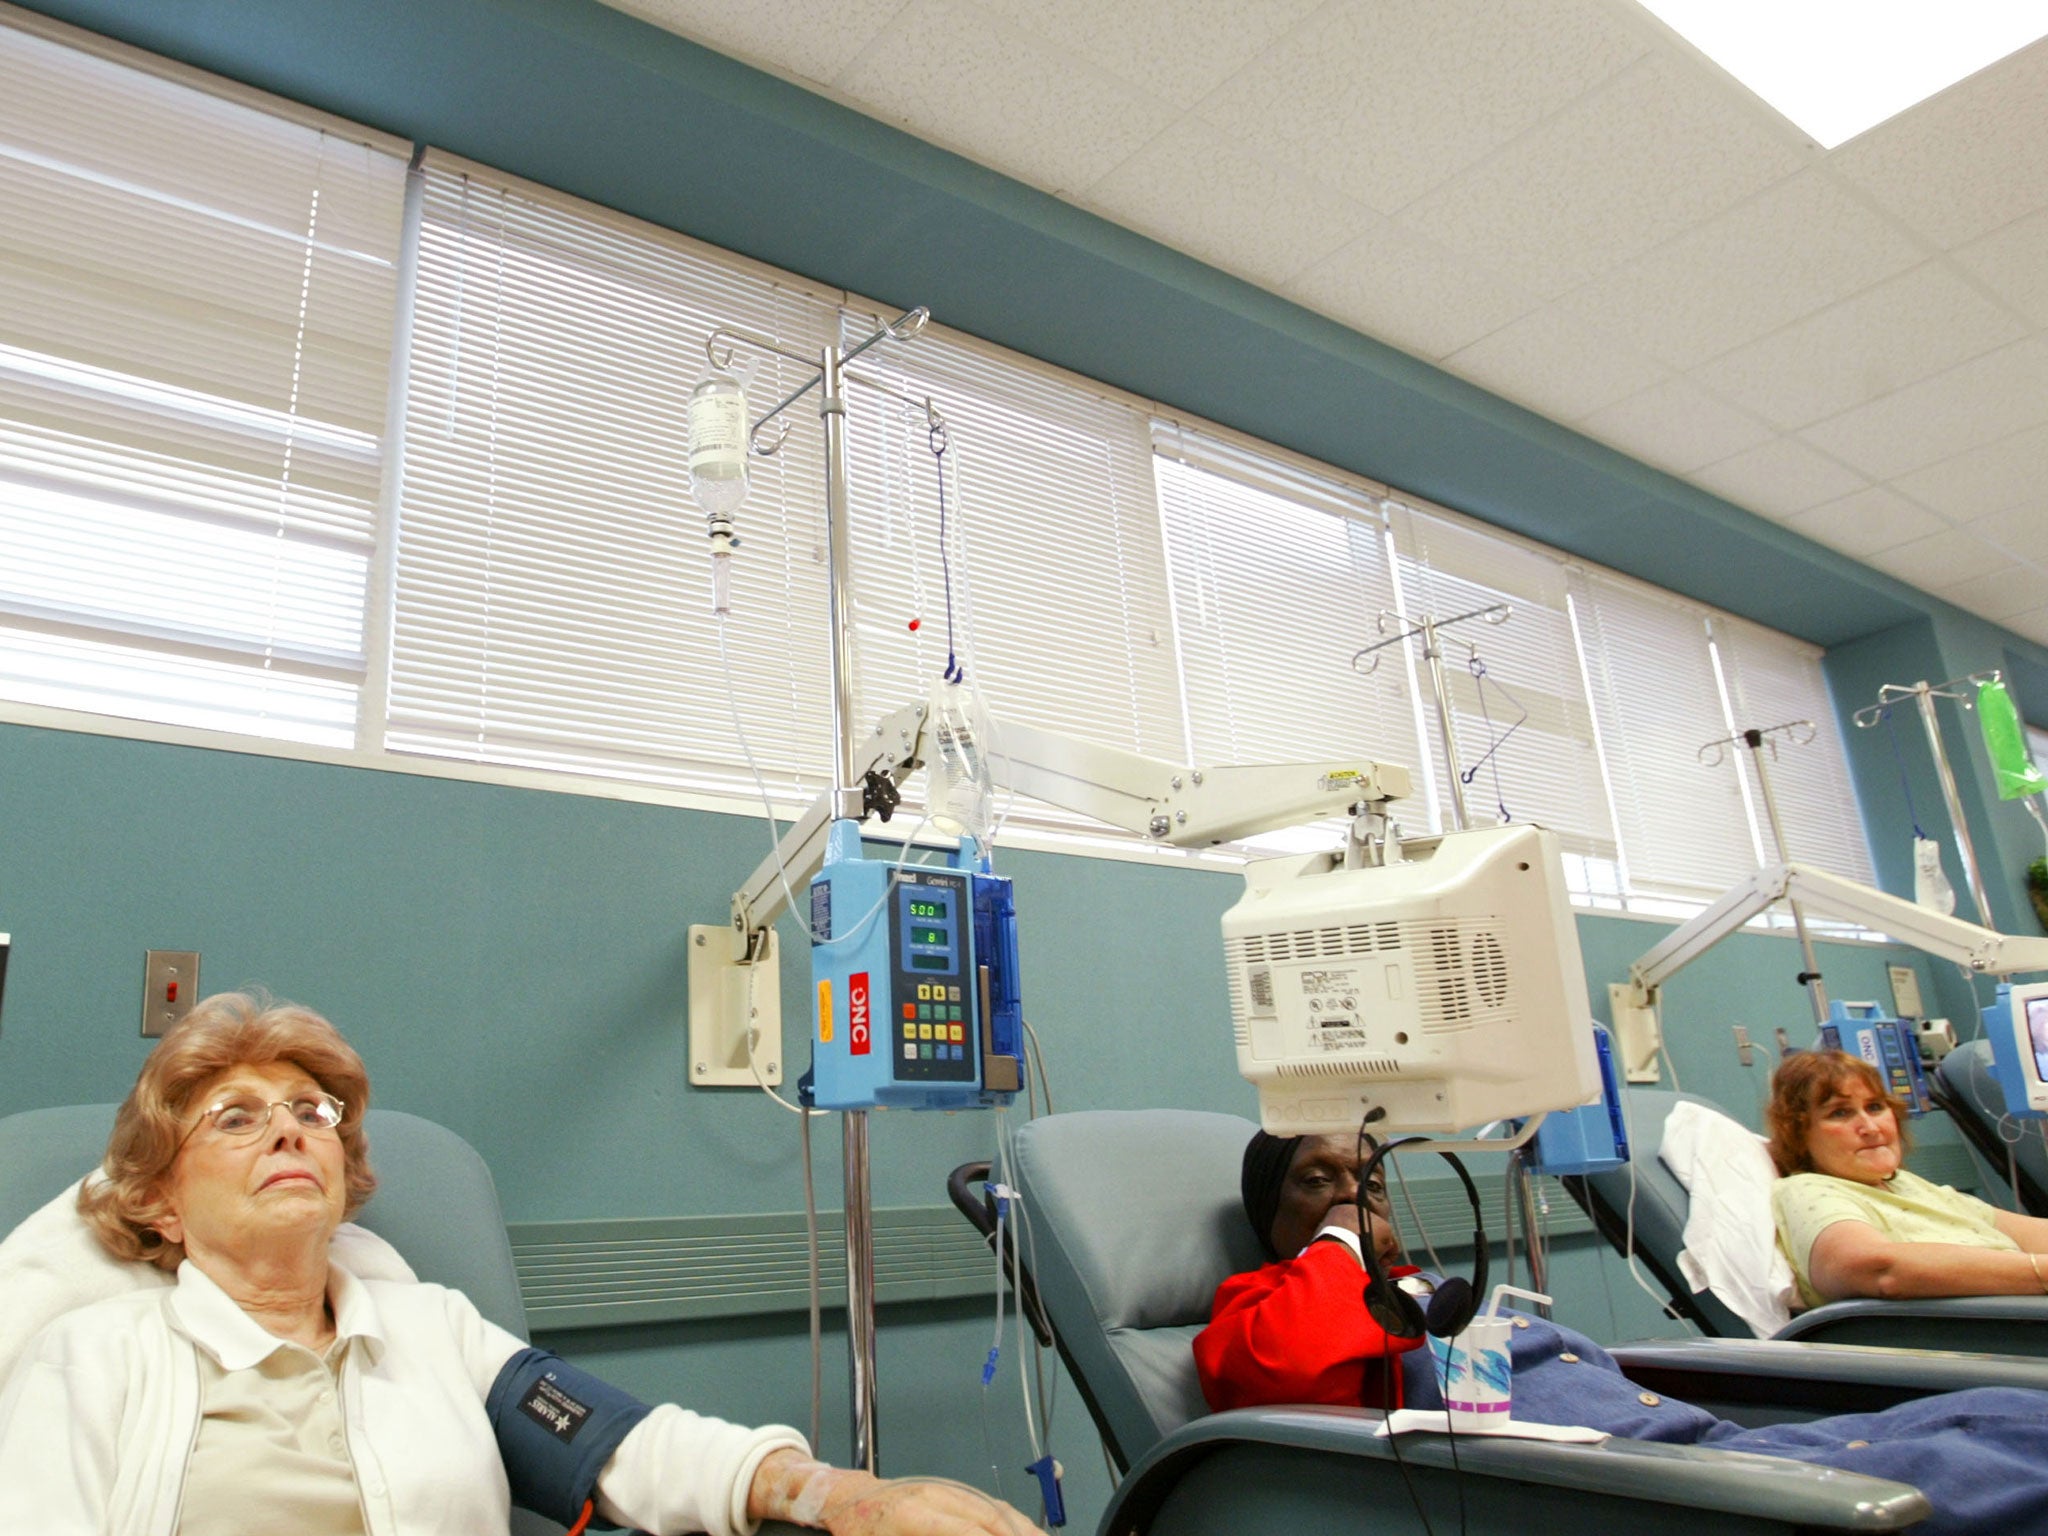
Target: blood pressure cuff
point(556, 1428)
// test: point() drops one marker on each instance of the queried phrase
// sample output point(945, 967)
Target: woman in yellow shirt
point(1854, 1222)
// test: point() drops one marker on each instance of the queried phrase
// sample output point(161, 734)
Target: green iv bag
point(2006, 740)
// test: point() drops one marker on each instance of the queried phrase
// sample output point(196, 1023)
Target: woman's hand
point(790, 1486)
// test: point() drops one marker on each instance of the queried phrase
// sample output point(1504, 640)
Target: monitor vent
point(1342, 1066)
point(1462, 977)
point(1332, 943)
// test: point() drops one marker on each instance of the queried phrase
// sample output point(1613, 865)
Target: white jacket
point(98, 1419)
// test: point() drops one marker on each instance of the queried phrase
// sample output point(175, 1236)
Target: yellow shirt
point(1904, 1209)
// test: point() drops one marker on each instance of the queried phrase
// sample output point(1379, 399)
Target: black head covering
point(1266, 1161)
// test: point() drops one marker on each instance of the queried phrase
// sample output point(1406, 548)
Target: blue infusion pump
point(1593, 1137)
point(1886, 1043)
point(914, 982)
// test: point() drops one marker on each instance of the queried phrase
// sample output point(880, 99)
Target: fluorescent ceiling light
point(1837, 67)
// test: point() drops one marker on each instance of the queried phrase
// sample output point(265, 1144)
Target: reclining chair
point(435, 1204)
point(1964, 1087)
point(2009, 1325)
point(1135, 1219)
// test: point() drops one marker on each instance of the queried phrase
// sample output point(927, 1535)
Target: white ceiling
point(1560, 201)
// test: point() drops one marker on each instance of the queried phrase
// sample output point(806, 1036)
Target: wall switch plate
point(170, 986)
point(1745, 1051)
point(719, 1018)
point(1905, 991)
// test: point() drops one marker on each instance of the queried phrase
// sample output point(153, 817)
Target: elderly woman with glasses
point(270, 1385)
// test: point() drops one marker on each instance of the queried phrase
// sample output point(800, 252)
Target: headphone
point(1455, 1301)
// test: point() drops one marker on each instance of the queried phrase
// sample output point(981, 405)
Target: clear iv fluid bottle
point(963, 792)
point(718, 444)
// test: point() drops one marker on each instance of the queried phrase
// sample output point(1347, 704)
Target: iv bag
point(2006, 740)
point(718, 444)
point(963, 794)
point(1930, 886)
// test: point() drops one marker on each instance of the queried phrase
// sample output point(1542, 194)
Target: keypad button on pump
point(909, 1052)
point(952, 994)
point(910, 1010)
point(959, 1034)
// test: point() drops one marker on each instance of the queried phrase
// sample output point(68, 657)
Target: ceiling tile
point(809, 39)
point(2021, 532)
point(1778, 478)
point(1388, 98)
point(1933, 564)
point(1903, 330)
point(1177, 50)
point(2013, 263)
point(1677, 426)
point(1409, 292)
point(1967, 161)
point(1984, 480)
point(1651, 154)
point(1792, 249)
point(1867, 522)
point(1195, 189)
point(2000, 595)
point(1979, 402)
point(1555, 364)
point(975, 86)
point(2033, 625)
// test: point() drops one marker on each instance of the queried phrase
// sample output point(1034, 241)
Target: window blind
point(1278, 581)
point(552, 595)
point(196, 310)
point(1060, 608)
point(1774, 679)
point(1683, 826)
point(1523, 728)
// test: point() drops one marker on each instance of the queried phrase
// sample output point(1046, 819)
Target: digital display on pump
point(921, 907)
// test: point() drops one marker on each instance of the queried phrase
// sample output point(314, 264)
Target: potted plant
point(2037, 889)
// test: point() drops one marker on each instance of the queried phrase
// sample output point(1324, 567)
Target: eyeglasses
point(245, 1117)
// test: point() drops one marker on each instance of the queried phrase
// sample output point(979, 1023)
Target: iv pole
point(1428, 627)
point(1924, 694)
point(847, 801)
point(1756, 740)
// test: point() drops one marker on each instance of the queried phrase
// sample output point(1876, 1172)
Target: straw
point(1493, 1306)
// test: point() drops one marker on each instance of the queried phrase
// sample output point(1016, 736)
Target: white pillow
point(52, 1263)
point(1731, 1238)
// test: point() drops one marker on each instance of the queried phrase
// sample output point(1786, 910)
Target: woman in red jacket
point(1297, 1331)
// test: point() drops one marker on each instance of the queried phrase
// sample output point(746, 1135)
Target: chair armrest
point(1765, 1488)
point(1816, 1378)
point(2013, 1325)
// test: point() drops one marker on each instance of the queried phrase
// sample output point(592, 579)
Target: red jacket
point(1297, 1332)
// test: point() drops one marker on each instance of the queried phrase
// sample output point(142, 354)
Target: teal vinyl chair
point(2006, 1325)
point(1135, 1219)
point(436, 1203)
point(2008, 1151)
